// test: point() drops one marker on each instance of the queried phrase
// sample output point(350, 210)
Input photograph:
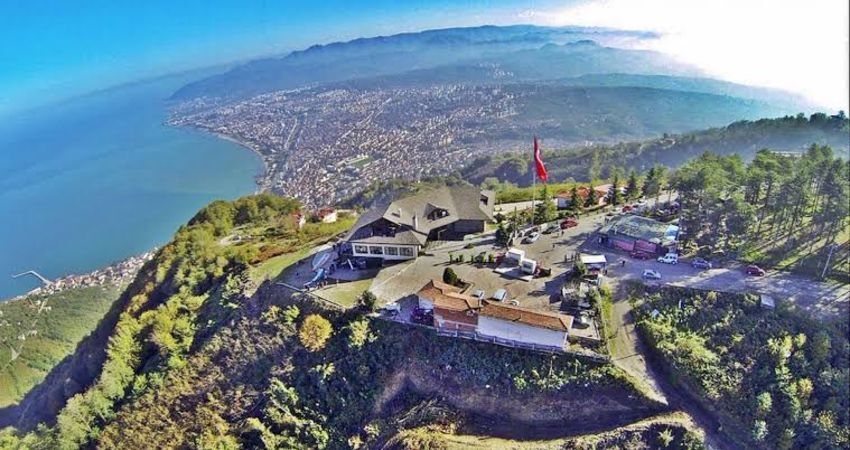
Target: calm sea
point(100, 178)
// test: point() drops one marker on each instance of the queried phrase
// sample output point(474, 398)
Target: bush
point(368, 301)
point(450, 277)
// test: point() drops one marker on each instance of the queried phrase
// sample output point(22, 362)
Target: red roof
point(551, 321)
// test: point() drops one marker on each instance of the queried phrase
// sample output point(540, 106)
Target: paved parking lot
point(819, 298)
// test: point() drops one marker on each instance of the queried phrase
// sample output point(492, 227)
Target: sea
point(94, 180)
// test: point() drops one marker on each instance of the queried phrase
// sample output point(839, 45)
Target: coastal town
point(322, 145)
point(114, 274)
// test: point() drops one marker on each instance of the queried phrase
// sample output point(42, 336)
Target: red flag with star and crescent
point(538, 162)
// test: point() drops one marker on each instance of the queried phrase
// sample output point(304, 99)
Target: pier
point(40, 277)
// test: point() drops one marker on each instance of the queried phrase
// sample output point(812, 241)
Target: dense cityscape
point(322, 145)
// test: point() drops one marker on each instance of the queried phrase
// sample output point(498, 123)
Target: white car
point(650, 274)
point(479, 294)
point(670, 258)
point(533, 237)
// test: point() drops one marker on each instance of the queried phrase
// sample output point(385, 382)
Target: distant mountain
point(523, 48)
point(573, 56)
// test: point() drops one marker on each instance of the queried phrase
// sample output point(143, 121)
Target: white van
point(670, 258)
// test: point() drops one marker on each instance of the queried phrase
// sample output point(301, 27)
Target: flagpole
point(533, 183)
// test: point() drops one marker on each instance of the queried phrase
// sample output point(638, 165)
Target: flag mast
point(534, 183)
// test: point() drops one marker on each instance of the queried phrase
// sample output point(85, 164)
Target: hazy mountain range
point(566, 57)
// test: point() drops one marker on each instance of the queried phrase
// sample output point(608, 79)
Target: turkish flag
point(538, 162)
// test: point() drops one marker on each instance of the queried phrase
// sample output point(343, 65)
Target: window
point(376, 250)
point(392, 251)
point(361, 249)
point(406, 251)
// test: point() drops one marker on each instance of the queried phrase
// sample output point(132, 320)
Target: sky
point(51, 50)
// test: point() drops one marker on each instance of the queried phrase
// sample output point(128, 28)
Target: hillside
point(789, 133)
point(200, 352)
point(41, 330)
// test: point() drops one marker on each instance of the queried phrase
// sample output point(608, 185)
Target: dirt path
point(630, 354)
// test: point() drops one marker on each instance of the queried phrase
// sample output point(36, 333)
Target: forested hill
point(789, 133)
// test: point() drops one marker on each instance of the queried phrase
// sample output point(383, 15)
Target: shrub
point(368, 300)
point(450, 277)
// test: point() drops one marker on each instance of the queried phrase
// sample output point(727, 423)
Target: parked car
point(670, 258)
point(500, 295)
point(753, 269)
point(479, 294)
point(391, 309)
point(569, 223)
point(628, 208)
point(533, 237)
point(641, 202)
point(583, 321)
point(513, 302)
point(637, 254)
point(650, 274)
point(699, 263)
point(423, 316)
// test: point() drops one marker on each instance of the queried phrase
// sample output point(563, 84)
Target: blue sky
point(50, 50)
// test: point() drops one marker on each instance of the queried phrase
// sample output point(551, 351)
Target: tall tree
point(632, 189)
point(614, 194)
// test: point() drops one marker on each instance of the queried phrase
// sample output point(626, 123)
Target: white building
point(523, 325)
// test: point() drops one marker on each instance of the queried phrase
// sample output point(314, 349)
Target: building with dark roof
point(398, 230)
point(630, 232)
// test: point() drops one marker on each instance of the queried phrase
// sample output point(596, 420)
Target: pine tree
point(545, 210)
point(592, 200)
point(632, 190)
point(614, 193)
point(576, 203)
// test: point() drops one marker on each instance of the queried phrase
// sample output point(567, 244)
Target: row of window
point(379, 250)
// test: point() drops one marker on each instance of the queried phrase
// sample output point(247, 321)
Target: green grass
point(524, 194)
point(345, 294)
point(50, 335)
point(273, 267)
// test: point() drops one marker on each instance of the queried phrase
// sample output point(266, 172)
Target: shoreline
point(112, 274)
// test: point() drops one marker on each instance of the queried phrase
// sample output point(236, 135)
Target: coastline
point(112, 274)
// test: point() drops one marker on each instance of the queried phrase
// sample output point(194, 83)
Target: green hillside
point(201, 356)
point(790, 133)
point(43, 329)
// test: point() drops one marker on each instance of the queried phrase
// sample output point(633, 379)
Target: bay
point(100, 178)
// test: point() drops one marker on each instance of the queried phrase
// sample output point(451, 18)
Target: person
point(623, 263)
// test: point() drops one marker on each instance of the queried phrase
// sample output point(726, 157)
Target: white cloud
point(799, 46)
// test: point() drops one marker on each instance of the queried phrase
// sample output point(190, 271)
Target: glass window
point(376, 250)
point(361, 249)
point(406, 251)
point(391, 251)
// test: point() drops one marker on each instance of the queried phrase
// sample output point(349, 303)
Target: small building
point(631, 232)
point(452, 310)
point(399, 230)
point(767, 302)
point(299, 219)
point(564, 199)
point(523, 325)
point(594, 262)
point(326, 215)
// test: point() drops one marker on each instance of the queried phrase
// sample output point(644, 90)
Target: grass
point(522, 194)
point(273, 267)
point(49, 336)
point(345, 294)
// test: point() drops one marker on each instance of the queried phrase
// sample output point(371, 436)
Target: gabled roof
point(551, 321)
point(461, 203)
point(446, 296)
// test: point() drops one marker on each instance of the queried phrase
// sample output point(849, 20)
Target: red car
point(569, 223)
point(628, 208)
point(754, 270)
point(640, 255)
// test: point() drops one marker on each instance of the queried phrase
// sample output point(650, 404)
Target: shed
point(515, 255)
point(767, 302)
